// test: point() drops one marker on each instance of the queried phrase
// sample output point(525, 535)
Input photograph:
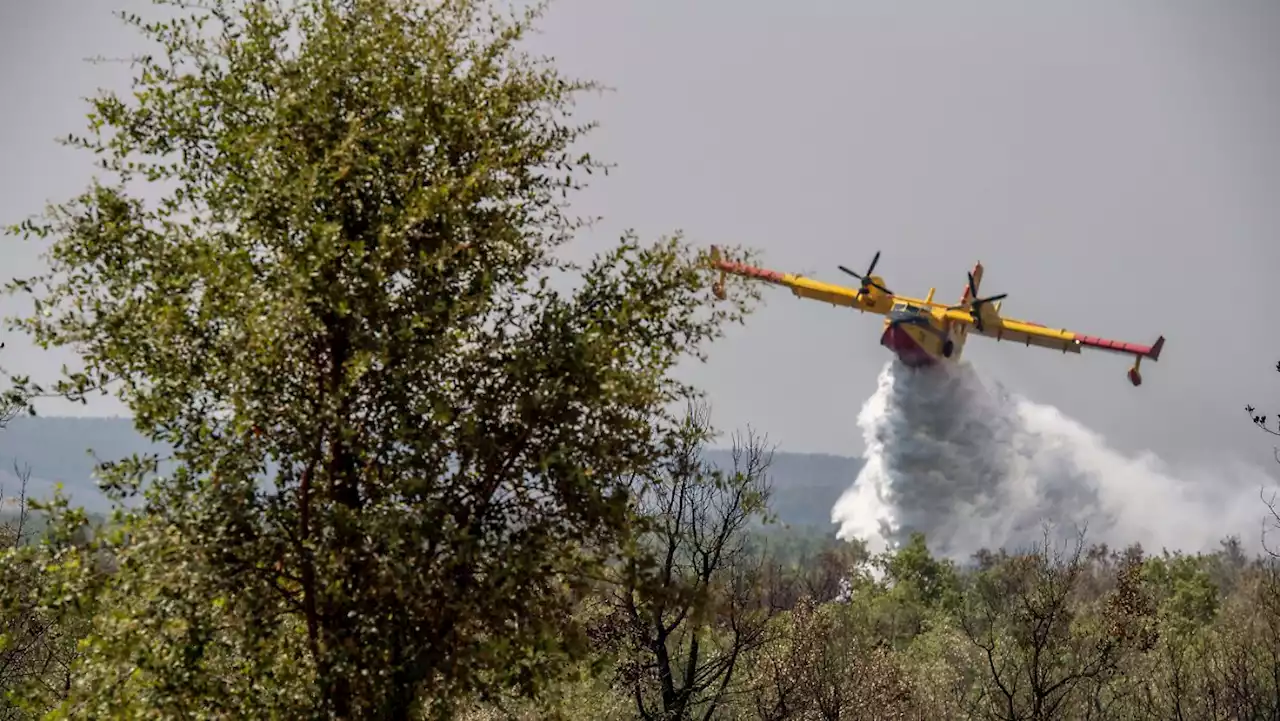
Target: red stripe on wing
point(750, 271)
point(1150, 351)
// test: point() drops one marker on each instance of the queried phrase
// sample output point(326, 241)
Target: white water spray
point(973, 466)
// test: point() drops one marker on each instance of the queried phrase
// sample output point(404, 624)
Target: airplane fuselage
point(919, 339)
point(919, 334)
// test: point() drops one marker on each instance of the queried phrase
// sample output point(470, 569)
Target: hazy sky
point(1113, 165)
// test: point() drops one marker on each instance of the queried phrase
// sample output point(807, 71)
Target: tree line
point(420, 465)
point(705, 617)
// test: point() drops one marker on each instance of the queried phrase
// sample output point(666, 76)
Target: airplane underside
point(911, 350)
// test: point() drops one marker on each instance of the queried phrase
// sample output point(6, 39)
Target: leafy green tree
point(1234, 674)
point(915, 573)
point(914, 587)
point(396, 436)
point(37, 647)
point(1190, 599)
point(38, 641)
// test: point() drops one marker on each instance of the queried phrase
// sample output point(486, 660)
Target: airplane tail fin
point(1154, 353)
point(971, 292)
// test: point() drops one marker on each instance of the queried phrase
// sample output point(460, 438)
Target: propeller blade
point(866, 278)
point(993, 298)
point(973, 290)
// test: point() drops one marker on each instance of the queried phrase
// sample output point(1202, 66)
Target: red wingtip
point(1154, 354)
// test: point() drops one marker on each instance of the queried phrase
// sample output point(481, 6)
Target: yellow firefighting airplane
point(922, 332)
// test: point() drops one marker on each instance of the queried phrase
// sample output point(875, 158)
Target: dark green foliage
point(928, 581)
point(349, 284)
point(1052, 632)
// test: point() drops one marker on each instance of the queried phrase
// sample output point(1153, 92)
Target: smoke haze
point(974, 466)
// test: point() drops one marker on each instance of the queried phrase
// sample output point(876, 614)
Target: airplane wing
point(800, 285)
point(1028, 333)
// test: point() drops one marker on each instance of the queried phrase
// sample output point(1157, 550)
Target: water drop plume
point(973, 466)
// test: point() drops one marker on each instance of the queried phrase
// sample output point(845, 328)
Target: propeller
point(975, 306)
point(867, 282)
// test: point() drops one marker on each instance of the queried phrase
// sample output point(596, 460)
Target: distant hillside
point(57, 450)
point(806, 485)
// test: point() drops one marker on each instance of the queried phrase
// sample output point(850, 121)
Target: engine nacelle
point(1134, 376)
